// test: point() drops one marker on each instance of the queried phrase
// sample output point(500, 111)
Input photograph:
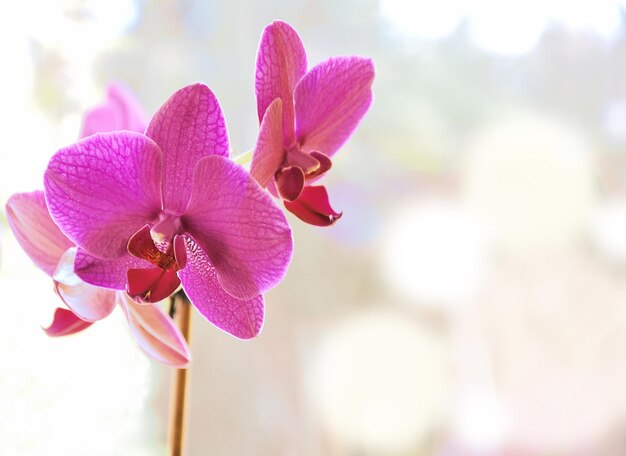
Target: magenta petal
point(106, 273)
point(313, 207)
point(189, 126)
point(239, 226)
point(330, 100)
point(280, 63)
point(104, 188)
point(290, 182)
point(121, 111)
point(87, 301)
point(269, 152)
point(34, 229)
point(155, 332)
point(64, 323)
point(241, 318)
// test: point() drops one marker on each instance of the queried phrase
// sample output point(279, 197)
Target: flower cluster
point(133, 211)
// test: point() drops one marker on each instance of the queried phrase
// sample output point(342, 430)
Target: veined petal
point(101, 190)
point(88, 302)
point(241, 318)
point(189, 126)
point(269, 152)
point(64, 323)
point(121, 111)
point(106, 273)
point(245, 235)
point(280, 63)
point(330, 100)
point(155, 332)
point(313, 207)
point(35, 231)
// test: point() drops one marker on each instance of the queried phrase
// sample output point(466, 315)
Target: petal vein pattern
point(101, 190)
point(189, 126)
point(330, 101)
point(245, 235)
point(243, 318)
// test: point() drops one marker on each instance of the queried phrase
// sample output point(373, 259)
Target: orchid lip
point(155, 283)
point(313, 164)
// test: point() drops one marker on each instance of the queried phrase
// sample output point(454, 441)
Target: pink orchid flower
point(120, 111)
point(54, 254)
point(305, 118)
point(152, 211)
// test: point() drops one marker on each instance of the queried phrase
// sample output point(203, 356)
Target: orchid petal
point(290, 182)
point(102, 189)
point(189, 126)
point(155, 332)
point(35, 231)
point(330, 100)
point(121, 111)
point(106, 273)
point(313, 207)
point(88, 302)
point(245, 235)
point(64, 323)
point(280, 63)
point(241, 318)
point(269, 152)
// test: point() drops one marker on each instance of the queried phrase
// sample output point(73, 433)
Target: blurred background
point(472, 299)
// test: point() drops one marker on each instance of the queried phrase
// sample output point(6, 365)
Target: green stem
point(244, 158)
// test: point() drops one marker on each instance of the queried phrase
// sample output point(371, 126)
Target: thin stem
point(177, 427)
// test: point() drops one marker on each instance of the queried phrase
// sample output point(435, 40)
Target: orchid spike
point(305, 118)
point(120, 111)
point(54, 254)
point(152, 211)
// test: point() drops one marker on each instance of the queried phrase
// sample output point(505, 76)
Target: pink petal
point(237, 224)
point(88, 302)
point(280, 63)
point(106, 273)
point(101, 190)
point(313, 207)
point(241, 318)
point(155, 332)
point(64, 323)
point(121, 111)
point(34, 229)
point(269, 152)
point(189, 126)
point(290, 182)
point(330, 100)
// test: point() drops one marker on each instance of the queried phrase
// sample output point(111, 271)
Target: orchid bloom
point(152, 211)
point(54, 254)
point(120, 111)
point(305, 118)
